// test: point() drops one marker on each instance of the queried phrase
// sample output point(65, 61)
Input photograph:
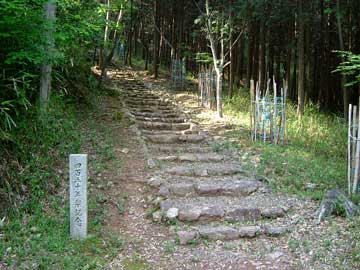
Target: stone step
point(160, 178)
point(188, 148)
point(152, 110)
point(141, 97)
point(232, 209)
point(168, 138)
point(146, 132)
point(225, 232)
point(148, 103)
point(163, 126)
point(161, 119)
point(191, 157)
point(205, 170)
point(156, 114)
point(238, 188)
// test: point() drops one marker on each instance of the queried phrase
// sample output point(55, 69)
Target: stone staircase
point(207, 194)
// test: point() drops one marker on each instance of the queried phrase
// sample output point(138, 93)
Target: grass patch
point(135, 264)
point(315, 152)
point(36, 232)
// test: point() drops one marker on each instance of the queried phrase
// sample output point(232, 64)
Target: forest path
point(189, 203)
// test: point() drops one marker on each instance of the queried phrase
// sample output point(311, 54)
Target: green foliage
point(41, 240)
point(36, 142)
point(350, 67)
point(315, 152)
point(36, 234)
point(205, 58)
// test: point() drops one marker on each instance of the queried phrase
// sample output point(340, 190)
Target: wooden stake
point(275, 124)
point(284, 110)
point(252, 116)
point(349, 151)
point(357, 156)
point(353, 143)
point(257, 109)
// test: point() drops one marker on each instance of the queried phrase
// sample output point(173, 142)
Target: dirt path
point(178, 196)
point(155, 244)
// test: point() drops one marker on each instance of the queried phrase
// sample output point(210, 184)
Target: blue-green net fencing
point(178, 74)
point(207, 89)
point(268, 114)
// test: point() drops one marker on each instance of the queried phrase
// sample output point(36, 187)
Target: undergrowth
point(314, 154)
point(35, 233)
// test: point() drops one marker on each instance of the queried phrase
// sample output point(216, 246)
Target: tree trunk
point(232, 53)
point(130, 33)
point(342, 48)
point(301, 49)
point(46, 68)
point(156, 40)
point(239, 62)
point(250, 53)
point(219, 78)
point(106, 38)
point(261, 71)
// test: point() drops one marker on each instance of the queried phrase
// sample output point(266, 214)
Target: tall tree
point(156, 39)
point(301, 61)
point(46, 67)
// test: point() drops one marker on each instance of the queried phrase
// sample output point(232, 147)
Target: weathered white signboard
point(78, 196)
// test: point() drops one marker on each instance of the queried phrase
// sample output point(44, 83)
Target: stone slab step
point(192, 138)
point(163, 126)
point(191, 157)
point(156, 114)
point(232, 209)
point(151, 107)
point(205, 170)
point(152, 110)
point(187, 148)
point(147, 102)
point(229, 233)
point(210, 188)
point(165, 179)
point(147, 132)
point(143, 97)
point(161, 119)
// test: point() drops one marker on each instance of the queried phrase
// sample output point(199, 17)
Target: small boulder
point(164, 191)
point(151, 163)
point(273, 212)
point(249, 231)
point(190, 214)
point(181, 189)
point(219, 233)
point(276, 230)
point(157, 216)
point(212, 213)
point(172, 213)
point(155, 181)
point(244, 214)
point(186, 237)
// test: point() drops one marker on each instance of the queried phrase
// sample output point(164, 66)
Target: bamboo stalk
point(275, 112)
point(257, 109)
point(252, 116)
point(286, 85)
point(353, 142)
point(357, 156)
point(349, 150)
point(264, 119)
